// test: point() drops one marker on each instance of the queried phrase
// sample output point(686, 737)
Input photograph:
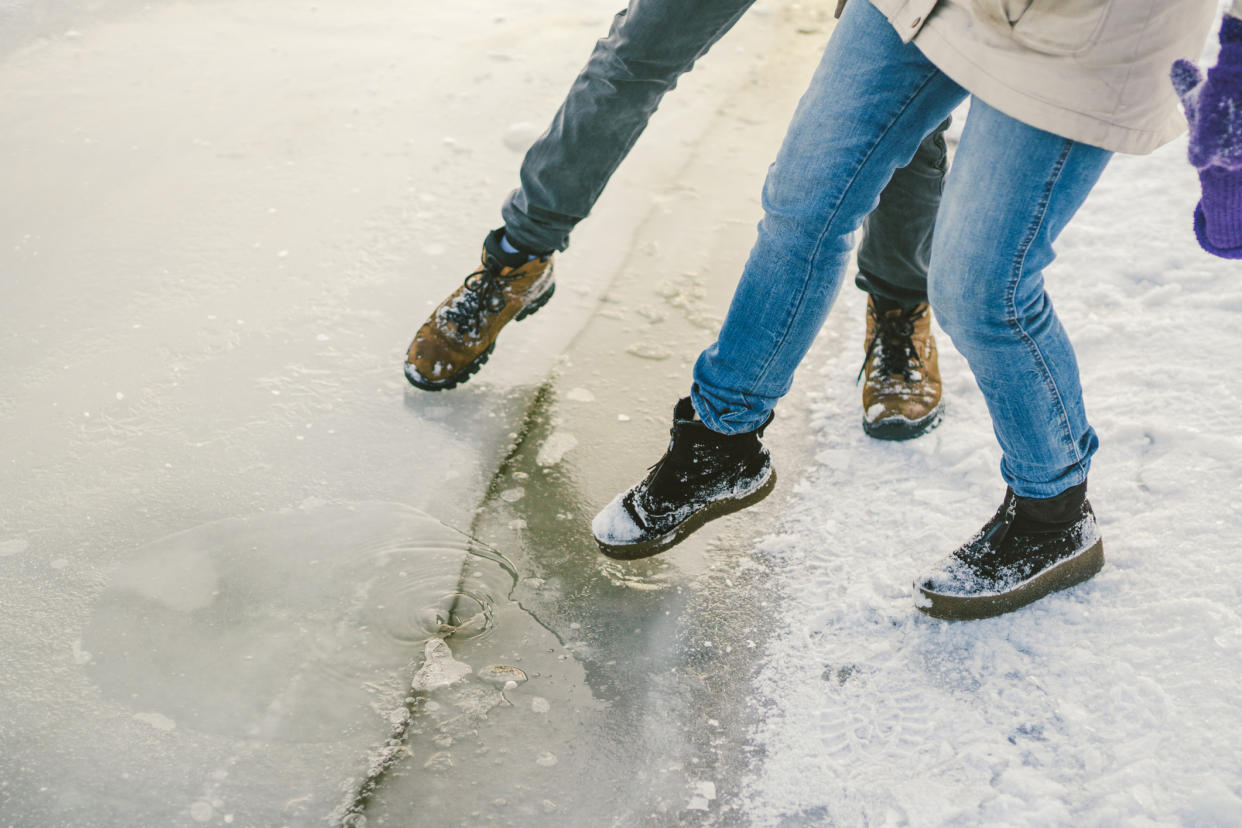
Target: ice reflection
point(295, 626)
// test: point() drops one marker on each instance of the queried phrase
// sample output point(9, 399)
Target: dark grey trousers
point(651, 44)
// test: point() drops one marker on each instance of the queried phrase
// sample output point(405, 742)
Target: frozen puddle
point(259, 670)
point(294, 626)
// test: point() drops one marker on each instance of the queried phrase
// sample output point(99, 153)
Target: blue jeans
point(1011, 191)
point(651, 44)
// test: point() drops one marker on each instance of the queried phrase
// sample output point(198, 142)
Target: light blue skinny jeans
point(1011, 190)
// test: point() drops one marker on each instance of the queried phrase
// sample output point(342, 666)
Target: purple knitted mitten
point(1214, 110)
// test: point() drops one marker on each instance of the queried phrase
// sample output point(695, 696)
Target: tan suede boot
point(901, 376)
point(460, 334)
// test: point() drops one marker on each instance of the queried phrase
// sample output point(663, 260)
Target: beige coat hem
point(1096, 71)
point(1021, 105)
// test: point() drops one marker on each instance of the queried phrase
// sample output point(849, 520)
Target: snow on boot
point(703, 475)
point(460, 334)
point(900, 373)
point(1030, 548)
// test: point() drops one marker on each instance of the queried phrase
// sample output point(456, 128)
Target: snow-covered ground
point(1114, 703)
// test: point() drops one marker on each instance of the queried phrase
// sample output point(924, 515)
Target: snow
point(439, 668)
point(554, 449)
point(615, 524)
point(518, 137)
point(1111, 703)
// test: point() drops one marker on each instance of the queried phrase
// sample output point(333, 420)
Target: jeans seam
point(819, 241)
point(1012, 310)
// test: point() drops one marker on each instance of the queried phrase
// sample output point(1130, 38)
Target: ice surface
point(202, 420)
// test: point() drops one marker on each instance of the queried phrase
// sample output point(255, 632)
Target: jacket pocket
point(1053, 27)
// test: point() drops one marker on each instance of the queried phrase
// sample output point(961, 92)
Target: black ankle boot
point(1031, 547)
point(703, 475)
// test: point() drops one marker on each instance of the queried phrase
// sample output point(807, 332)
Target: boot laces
point(484, 294)
point(894, 337)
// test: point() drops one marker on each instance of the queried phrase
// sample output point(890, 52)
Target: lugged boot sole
point(471, 368)
point(903, 429)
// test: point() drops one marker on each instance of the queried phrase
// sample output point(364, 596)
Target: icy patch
point(80, 656)
point(439, 668)
point(647, 351)
point(502, 675)
point(540, 705)
point(518, 137)
point(580, 395)
point(558, 444)
point(13, 547)
point(183, 578)
point(613, 524)
point(513, 495)
point(156, 720)
point(704, 794)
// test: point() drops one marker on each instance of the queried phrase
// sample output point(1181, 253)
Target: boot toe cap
point(615, 526)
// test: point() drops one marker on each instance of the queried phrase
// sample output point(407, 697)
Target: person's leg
point(901, 388)
point(1012, 190)
point(871, 102)
point(651, 44)
point(896, 243)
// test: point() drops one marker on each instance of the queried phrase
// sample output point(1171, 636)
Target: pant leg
point(871, 102)
point(651, 44)
point(896, 242)
point(1011, 191)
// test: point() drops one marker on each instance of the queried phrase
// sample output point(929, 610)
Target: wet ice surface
point(287, 626)
point(634, 707)
point(241, 667)
point(230, 531)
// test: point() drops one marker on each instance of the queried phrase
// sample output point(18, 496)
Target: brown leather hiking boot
point(901, 376)
point(460, 334)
